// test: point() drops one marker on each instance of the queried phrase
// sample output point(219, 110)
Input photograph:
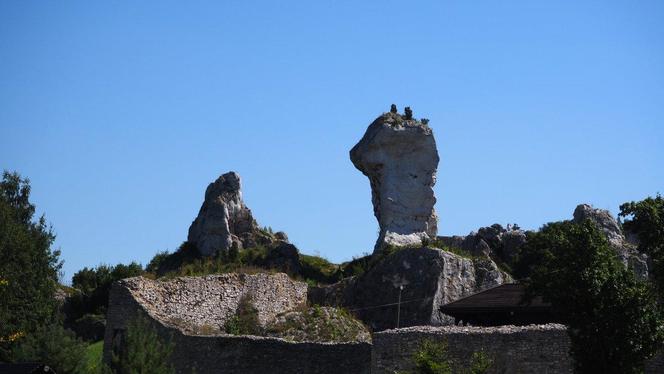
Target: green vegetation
point(93, 357)
point(245, 320)
point(432, 358)
point(319, 270)
point(142, 351)
point(320, 324)
point(187, 261)
point(645, 218)
point(54, 345)
point(91, 302)
point(28, 270)
point(614, 320)
point(480, 363)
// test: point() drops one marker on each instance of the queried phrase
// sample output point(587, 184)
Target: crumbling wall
point(194, 303)
point(514, 349)
point(161, 302)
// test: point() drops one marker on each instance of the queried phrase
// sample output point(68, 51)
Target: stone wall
point(216, 352)
point(514, 349)
point(193, 303)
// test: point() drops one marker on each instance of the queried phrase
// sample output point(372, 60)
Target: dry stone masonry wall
point(220, 353)
point(206, 303)
point(514, 349)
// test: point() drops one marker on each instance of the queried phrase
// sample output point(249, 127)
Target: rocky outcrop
point(398, 155)
point(430, 278)
point(504, 244)
point(491, 241)
point(626, 250)
point(224, 221)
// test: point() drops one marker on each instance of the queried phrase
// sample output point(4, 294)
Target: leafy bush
point(142, 350)
point(480, 363)
point(245, 320)
point(614, 320)
point(645, 218)
point(95, 285)
point(432, 358)
point(54, 346)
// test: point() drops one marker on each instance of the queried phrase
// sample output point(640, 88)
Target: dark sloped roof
point(504, 297)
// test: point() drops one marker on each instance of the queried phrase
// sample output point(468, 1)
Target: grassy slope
point(93, 357)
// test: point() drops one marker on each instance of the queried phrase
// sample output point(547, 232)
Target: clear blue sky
point(121, 113)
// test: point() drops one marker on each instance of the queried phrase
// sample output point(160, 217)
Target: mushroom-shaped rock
point(400, 158)
point(223, 219)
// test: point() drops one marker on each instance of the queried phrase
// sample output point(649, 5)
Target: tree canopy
point(645, 219)
point(29, 268)
point(614, 320)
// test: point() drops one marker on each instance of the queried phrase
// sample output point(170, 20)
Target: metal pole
point(399, 306)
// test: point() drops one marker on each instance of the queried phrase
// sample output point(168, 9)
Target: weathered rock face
point(494, 240)
point(430, 277)
point(223, 220)
point(400, 159)
point(626, 251)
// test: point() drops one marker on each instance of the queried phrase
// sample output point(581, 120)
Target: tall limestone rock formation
point(224, 221)
point(398, 154)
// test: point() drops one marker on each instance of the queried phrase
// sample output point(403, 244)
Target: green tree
point(432, 358)
point(142, 351)
point(95, 285)
point(614, 320)
point(55, 346)
point(29, 269)
point(645, 218)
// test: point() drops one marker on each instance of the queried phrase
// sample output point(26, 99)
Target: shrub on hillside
point(245, 320)
point(318, 324)
point(54, 346)
point(142, 350)
point(94, 285)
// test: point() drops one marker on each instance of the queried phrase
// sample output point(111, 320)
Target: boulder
point(493, 241)
point(430, 277)
point(400, 158)
point(224, 221)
